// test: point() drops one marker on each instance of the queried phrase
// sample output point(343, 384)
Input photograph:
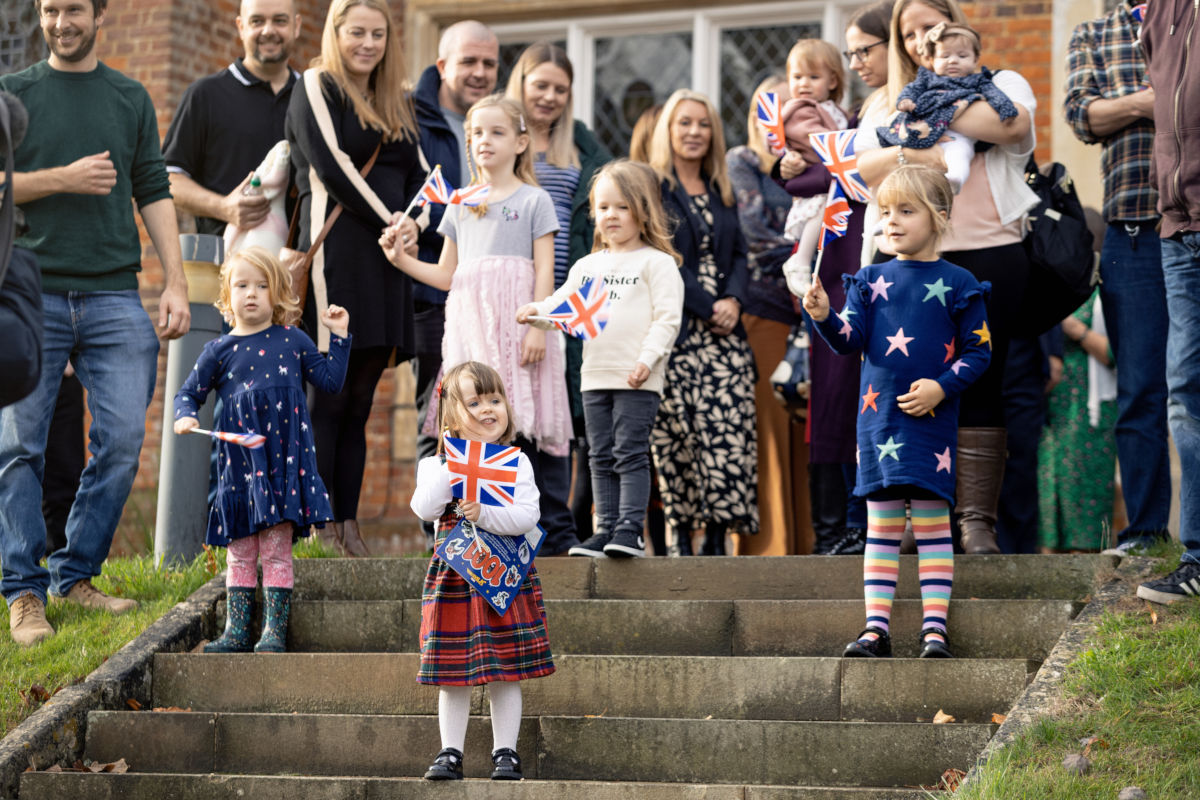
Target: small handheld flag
point(251, 441)
point(481, 472)
point(837, 215)
point(836, 151)
point(584, 313)
point(770, 118)
point(434, 189)
point(470, 195)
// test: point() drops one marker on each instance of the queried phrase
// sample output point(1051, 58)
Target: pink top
point(974, 222)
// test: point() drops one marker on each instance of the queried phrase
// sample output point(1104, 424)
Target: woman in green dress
point(1077, 453)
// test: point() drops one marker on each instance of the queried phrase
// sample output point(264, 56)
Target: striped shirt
point(1104, 61)
point(561, 183)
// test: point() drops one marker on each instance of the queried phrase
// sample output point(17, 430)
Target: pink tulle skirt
point(481, 325)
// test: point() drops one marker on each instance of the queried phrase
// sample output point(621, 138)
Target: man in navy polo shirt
point(227, 122)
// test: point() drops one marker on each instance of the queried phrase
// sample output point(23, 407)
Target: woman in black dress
point(704, 438)
point(350, 105)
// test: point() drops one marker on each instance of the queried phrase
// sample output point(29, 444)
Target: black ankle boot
point(852, 543)
point(683, 544)
point(714, 540)
point(827, 497)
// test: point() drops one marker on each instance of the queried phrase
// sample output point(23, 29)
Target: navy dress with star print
point(260, 379)
point(910, 320)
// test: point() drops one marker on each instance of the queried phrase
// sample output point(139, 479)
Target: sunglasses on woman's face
point(862, 52)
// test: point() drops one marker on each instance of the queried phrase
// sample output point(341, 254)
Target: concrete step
point(1063, 577)
point(157, 786)
point(893, 690)
point(567, 748)
point(1024, 629)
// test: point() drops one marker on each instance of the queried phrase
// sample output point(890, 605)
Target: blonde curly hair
point(285, 306)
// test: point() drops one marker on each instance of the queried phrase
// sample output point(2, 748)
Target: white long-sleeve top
point(645, 288)
point(432, 495)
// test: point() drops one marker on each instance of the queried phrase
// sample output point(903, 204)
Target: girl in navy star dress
point(265, 496)
point(463, 642)
point(921, 326)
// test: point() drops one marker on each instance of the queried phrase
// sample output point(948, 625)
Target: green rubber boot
point(239, 607)
point(277, 607)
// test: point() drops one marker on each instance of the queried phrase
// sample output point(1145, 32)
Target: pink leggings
point(275, 547)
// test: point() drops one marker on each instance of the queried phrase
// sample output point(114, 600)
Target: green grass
point(1137, 689)
point(85, 639)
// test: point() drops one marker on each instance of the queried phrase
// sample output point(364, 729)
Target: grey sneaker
point(27, 620)
point(1183, 582)
point(89, 596)
point(1135, 546)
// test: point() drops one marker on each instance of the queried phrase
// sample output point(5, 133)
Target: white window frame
point(705, 25)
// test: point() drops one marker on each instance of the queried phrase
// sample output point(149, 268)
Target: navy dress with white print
point(260, 379)
point(911, 320)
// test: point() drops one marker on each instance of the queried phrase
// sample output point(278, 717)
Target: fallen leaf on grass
point(1153, 614)
point(35, 694)
point(134, 704)
point(998, 719)
point(210, 560)
point(1093, 741)
point(941, 718)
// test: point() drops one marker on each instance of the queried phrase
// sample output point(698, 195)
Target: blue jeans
point(1135, 312)
point(111, 342)
point(618, 431)
point(1181, 268)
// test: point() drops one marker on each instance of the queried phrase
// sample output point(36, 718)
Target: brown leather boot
point(352, 540)
point(331, 537)
point(981, 453)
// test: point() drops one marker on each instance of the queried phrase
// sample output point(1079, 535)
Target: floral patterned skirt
point(704, 441)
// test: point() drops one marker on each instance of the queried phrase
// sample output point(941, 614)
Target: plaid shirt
point(1105, 61)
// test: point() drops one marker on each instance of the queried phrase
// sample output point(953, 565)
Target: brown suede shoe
point(27, 620)
point(89, 596)
point(352, 540)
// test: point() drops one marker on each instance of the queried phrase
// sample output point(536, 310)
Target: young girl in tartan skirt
point(464, 642)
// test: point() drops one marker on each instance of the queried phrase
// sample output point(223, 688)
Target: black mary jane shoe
point(448, 766)
point(880, 648)
point(506, 765)
point(934, 648)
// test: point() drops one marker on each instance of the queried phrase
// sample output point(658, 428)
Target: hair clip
point(438, 388)
point(521, 119)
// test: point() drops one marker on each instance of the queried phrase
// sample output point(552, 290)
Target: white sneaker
point(1130, 547)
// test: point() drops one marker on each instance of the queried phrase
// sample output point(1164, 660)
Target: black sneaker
point(593, 547)
point(935, 648)
point(506, 765)
point(1183, 582)
point(626, 544)
point(447, 766)
point(852, 543)
point(860, 648)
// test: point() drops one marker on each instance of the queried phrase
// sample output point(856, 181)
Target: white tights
point(454, 709)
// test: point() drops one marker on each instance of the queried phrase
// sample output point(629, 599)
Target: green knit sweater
point(87, 243)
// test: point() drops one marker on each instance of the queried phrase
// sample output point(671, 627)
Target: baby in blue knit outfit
point(933, 100)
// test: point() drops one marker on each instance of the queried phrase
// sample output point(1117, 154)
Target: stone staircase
point(714, 678)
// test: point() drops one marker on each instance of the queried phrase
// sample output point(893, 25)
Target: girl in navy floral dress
point(265, 496)
point(921, 326)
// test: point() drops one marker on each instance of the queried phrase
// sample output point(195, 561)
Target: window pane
point(748, 55)
point(632, 74)
point(21, 43)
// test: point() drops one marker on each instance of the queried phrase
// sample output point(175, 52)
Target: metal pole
point(182, 516)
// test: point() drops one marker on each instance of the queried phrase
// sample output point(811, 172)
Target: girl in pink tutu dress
point(498, 257)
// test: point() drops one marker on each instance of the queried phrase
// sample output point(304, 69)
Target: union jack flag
point(1138, 13)
point(837, 215)
point(770, 118)
point(481, 472)
point(585, 311)
point(470, 195)
point(434, 189)
point(836, 150)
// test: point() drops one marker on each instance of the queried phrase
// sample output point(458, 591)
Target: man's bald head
point(468, 59)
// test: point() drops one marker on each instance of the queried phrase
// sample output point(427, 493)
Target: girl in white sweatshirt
point(623, 368)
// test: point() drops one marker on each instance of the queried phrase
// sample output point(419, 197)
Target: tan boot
point(981, 454)
point(27, 620)
point(352, 540)
point(88, 596)
point(331, 537)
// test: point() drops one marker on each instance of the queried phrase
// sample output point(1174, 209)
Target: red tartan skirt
point(464, 642)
